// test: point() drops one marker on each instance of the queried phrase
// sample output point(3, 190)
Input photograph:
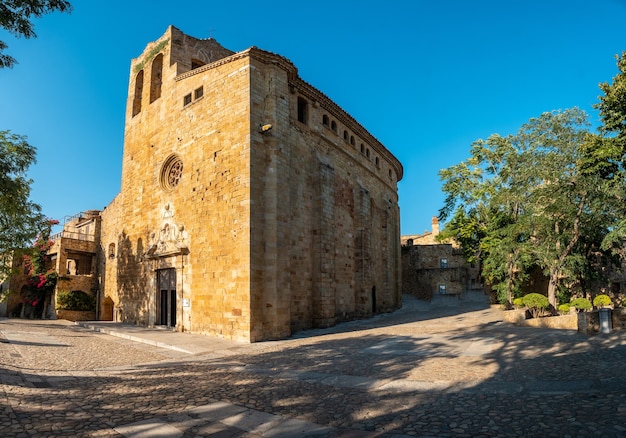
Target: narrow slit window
point(138, 93)
point(302, 110)
point(156, 79)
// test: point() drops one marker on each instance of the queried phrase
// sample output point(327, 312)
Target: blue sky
point(426, 78)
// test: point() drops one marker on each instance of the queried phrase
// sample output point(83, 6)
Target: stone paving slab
point(224, 419)
point(473, 376)
point(189, 343)
point(152, 428)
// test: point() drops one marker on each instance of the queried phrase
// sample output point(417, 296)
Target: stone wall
point(76, 315)
point(272, 207)
point(584, 322)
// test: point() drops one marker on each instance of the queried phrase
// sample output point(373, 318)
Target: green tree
point(16, 16)
point(532, 200)
point(607, 156)
point(20, 219)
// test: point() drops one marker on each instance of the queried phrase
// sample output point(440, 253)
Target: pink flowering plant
point(41, 281)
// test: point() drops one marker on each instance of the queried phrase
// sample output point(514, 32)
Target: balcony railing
point(73, 235)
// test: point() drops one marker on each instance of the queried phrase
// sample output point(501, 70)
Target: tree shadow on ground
point(485, 380)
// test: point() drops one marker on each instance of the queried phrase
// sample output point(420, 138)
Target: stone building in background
point(431, 268)
point(251, 205)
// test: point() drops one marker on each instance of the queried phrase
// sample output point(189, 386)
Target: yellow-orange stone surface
point(251, 205)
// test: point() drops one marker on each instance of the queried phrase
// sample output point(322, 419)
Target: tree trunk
point(552, 285)
point(509, 283)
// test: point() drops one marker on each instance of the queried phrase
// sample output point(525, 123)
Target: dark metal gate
point(166, 312)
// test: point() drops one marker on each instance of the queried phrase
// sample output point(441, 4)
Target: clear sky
point(426, 78)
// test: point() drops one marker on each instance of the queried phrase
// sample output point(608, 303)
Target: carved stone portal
point(170, 239)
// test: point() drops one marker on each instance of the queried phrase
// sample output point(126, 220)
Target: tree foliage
point(20, 219)
point(75, 300)
point(608, 155)
point(536, 303)
point(16, 16)
point(526, 200)
point(42, 277)
point(580, 304)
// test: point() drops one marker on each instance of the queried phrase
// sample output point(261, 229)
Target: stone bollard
point(605, 320)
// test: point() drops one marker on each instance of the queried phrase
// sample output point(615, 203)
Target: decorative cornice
point(308, 91)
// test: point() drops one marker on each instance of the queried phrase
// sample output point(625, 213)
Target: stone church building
point(251, 205)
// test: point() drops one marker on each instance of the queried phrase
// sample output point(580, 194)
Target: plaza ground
point(443, 370)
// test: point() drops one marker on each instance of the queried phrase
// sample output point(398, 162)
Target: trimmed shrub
point(535, 303)
point(75, 300)
point(564, 309)
point(518, 303)
point(602, 300)
point(580, 304)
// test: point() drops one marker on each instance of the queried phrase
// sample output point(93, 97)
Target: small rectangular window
point(442, 289)
point(443, 263)
point(302, 110)
point(187, 99)
point(198, 93)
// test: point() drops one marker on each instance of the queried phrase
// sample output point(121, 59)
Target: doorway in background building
point(166, 295)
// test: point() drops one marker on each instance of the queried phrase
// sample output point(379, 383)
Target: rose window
point(171, 172)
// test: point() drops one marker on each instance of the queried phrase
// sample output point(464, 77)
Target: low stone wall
point(619, 319)
point(76, 315)
point(566, 322)
point(515, 316)
point(584, 322)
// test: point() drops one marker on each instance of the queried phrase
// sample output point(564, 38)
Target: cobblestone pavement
point(410, 373)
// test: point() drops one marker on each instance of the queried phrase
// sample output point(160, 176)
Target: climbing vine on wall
point(151, 54)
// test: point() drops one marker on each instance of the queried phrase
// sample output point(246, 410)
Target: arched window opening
point(362, 148)
point(138, 93)
point(333, 126)
point(156, 78)
point(345, 135)
point(325, 120)
point(352, 140)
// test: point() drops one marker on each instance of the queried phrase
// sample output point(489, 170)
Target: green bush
point(564, 309)
point(518, 303)
point(580, 304)
point(602, 300)
point(536, 303)
point(75, 300)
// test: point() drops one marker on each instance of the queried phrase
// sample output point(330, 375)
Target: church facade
point(251, 205)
